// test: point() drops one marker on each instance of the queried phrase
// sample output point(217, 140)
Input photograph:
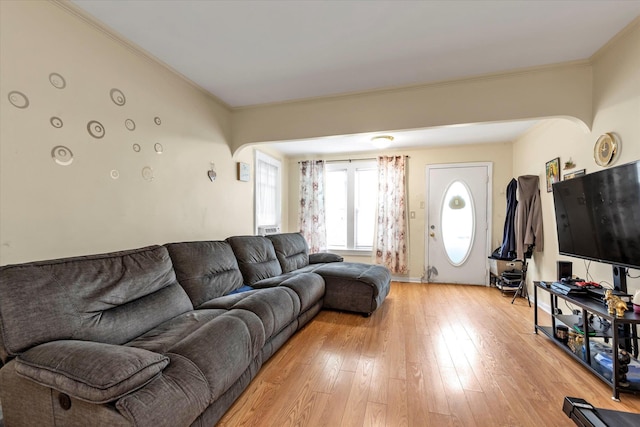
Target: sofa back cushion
point(206, 270)
point(109, 298)
point(256, 258)
point(292, 250)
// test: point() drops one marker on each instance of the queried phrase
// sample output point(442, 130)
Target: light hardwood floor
point(432, 355)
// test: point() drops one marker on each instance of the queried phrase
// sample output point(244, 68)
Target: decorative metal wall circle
point(157, 120)
point(62, 155)
point(147, 173)
point(56, 122)
point(158, 148)
point(95, 129)
point(57, 81)
point(117, 97)
point(136, 148)
point(130, 124)
point(114, 174)
point(18, 99)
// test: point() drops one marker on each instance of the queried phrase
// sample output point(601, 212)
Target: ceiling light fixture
point(382, 141)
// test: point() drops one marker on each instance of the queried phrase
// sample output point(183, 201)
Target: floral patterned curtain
point(390, 243)
point(312, 220)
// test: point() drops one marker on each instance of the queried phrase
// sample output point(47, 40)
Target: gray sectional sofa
point(164, 335)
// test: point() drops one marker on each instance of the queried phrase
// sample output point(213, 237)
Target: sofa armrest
point(324, 257)
point(90, 371)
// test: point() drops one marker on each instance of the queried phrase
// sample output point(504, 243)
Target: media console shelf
point(604, 331)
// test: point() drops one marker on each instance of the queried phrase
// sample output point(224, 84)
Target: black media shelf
point(616, 332)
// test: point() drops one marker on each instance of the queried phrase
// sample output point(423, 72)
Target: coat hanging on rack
point(528, 216)
point(508, 248)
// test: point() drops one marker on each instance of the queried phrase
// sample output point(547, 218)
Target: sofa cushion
point(206, 270)
point(110, 298)
point(90, 371)
point(275, 307)
point(163, 337)
point(292, 250)
point(256, 258)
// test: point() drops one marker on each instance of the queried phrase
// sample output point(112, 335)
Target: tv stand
point(603, 336)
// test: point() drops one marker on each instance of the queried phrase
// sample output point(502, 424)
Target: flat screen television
point(598, 218)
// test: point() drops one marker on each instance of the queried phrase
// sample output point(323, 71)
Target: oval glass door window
point(457, 217)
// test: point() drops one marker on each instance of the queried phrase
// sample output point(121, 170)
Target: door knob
point(432, 234)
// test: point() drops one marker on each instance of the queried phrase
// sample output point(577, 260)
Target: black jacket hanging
point(508, 248)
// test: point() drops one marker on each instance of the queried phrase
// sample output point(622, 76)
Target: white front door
point(457, 223)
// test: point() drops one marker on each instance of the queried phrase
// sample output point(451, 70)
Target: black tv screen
point(598, 215)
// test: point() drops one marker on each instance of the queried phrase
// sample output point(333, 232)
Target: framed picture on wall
point(552, 169)
point(573, 174)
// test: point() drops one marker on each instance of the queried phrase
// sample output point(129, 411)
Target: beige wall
point(50, 211)
point(499, 154)
point(616, 109)
point(563, 90)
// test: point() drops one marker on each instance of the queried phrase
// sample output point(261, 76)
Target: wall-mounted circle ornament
point(56, 122)
point(136, 148)
point(605, 149)
point(96, 129)
point(130, 124)
point(57, 81)
point(62, 155)
point(157, 120)
point(117, 97)
point(114, 174)
point(147, 173)
point(18, 99)
point(158, 147)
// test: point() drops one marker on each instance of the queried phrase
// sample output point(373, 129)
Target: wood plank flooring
point(432, 355)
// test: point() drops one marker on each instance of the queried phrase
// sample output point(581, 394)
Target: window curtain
point(312, 219)
point(390, 243)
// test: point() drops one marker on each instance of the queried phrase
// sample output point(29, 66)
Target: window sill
point(352, 252)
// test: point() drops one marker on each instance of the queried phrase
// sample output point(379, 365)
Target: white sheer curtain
point(391, 243)
point(312, 220)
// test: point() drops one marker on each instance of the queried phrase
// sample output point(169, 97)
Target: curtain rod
point(350, 160)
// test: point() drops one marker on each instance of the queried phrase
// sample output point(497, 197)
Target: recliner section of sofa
point(349, 286)
point(163, 335)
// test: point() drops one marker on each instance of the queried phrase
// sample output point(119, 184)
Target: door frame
point(489, 204)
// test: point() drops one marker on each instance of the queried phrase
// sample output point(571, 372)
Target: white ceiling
point(256, 52)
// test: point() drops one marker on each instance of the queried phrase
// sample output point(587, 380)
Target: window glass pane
point(366, 191)
point(336, 208)
point(457, 223)
point(267, 193)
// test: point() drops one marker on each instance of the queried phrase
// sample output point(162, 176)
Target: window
point(267, 193)
point(350, 198)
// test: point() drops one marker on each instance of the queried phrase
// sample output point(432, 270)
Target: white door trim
point(489, 166)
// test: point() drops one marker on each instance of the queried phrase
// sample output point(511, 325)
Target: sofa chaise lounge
point(163, 335)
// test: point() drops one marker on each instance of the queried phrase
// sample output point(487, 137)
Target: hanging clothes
point(508, 248)
point(528, 216)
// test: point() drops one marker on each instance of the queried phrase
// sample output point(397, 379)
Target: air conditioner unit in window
point(268, 229)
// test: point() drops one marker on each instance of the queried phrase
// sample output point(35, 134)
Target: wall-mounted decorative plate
point(18, 99)
point(117, 97)
point(57, 81)
point(56, 122)
point(62, 155)
point(605, 149)
point(95, 129)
